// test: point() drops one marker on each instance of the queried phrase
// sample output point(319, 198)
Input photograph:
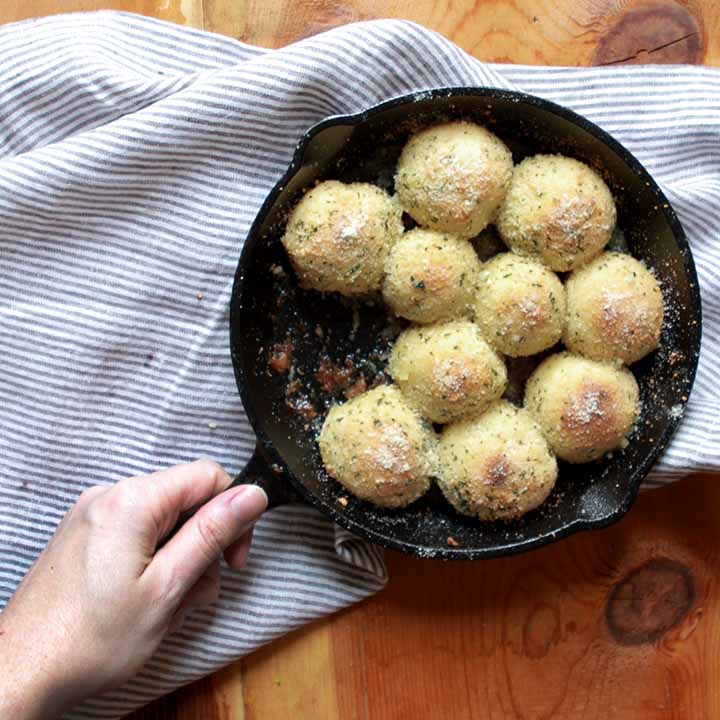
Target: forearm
point(26, 693)
point(25, 703)
point(28, 688)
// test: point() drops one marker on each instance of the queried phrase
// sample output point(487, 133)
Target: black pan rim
point(633, 481)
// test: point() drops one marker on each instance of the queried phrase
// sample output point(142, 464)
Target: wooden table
point(623, 623)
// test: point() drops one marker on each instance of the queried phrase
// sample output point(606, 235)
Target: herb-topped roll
point(557, 210)
point(496, 466)
point(452, 177)
point(379, 448)
point(431, 276)
point(585, 408)
point(447, 370)
point(520, 305)
point(338, 237)
point(615, 309)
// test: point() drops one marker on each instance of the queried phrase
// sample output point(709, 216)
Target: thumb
point(179, 564)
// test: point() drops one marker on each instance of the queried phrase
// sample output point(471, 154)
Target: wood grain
point(183, 12)
point(622, 623)
point(293, 678)
point(218, 697)
point(550, 32)
point(529, 637)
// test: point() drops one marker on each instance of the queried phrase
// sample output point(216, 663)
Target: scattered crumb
point(343, 501)
point(200, 296)
point(212, 425)
point(302, 405)
point(676, 411)
point(452, 542)
point(332, 377)
point(281, 357)
point(357, 389)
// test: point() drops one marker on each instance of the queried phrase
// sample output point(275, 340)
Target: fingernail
point(249, 502)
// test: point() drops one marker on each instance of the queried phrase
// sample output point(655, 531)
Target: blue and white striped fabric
point(133, 157)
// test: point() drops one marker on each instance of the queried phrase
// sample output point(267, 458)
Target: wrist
point(27, 696)
point(30, 691)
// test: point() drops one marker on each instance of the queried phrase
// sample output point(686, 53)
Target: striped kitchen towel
point(134, 155)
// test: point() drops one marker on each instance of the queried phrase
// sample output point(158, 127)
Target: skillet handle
point(259, 472)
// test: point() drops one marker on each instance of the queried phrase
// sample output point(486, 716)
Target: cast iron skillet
point(268, 310)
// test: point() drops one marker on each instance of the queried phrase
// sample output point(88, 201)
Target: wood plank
point(227, 18)
point(184, 12)
point(544, 32)
point(217, 697)
point(293, 677)
point(532, 636)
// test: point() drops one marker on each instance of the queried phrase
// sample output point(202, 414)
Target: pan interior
point(269, 313)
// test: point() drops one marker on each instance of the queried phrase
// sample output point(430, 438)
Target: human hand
point(101, 596)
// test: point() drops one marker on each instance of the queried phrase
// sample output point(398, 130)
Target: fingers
point(178, 565)
point(237, 554)
point(204, 592)
point(169, 492)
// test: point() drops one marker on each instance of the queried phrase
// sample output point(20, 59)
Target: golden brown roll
point(452, 177)
point(614, 309)
point(338, 237)
point(496, 466)
point(585, 408)
point(431, 276)
point(447, 370)
point(520, 305)
point(379, 448)
point(557, 210)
